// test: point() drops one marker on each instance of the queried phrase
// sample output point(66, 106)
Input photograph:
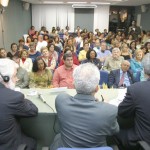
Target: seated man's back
point(84, 121)
point(13, 105)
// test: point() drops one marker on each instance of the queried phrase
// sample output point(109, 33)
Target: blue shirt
point(126, 78)
point(101, 54)
point(34, 56)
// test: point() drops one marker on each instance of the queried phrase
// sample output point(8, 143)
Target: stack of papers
point(119, 98)
point(60, 89)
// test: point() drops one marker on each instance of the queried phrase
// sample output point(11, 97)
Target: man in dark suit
point(121, 77)
point(13, 105)
point(84, 121)
point(136, 105)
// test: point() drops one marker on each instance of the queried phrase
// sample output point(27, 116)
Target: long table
point(45, 126)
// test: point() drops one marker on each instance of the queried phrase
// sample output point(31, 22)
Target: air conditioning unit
point(84, 6)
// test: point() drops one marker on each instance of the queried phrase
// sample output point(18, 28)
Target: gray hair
point(146, 64)
point(86, 78)
point(7, 68)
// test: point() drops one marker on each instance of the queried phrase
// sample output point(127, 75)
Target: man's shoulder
point(140, 85)
point(62, 97)
point(108, 108)
point(74, 66)
point(60, 68)
point(121, 58)
point(22, 70)
point(109, 58)
point(115, 71)
point(8, 93)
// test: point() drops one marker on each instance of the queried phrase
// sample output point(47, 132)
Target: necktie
point(122, 79)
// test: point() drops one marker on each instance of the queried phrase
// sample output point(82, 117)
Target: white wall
point(15, 22)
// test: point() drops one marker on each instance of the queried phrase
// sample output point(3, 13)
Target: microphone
point(41, 97)
point(102, 98)
point(44, 101)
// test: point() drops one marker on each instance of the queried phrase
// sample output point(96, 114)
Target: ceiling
point(97, 2)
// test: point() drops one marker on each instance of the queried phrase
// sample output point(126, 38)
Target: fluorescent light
point(84, 6)
point(52, 2)
point(100, 3)
point(76, 2)
point(4, 3)
point(116, 0)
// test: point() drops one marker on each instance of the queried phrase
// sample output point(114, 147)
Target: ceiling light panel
point(76, 2)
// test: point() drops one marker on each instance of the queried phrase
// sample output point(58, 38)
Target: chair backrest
point(103, 77)
point(94, 148)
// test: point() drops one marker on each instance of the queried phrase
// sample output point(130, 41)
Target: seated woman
point(33, 54)
point(91, 57)
point(25, 61)
point(125, 52)
point(28, 41)
point(132, 48)
point(52, 52)
point(74, 56)
point(14, 51)
point(58, 43)
point(48, 59)
point(136, 63)
point(40, 77)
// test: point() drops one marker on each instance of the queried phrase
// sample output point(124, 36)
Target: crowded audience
point(56, 58)
point(106, 50)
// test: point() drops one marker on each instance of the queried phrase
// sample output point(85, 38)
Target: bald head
point(125, 65)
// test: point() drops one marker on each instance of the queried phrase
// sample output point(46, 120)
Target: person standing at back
point(135, 30)
point(84, 121)
point(13, 105)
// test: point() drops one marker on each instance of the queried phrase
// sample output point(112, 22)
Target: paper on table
point(60, 89)
point(120, 97)
point(32, 93)
point(17, 89)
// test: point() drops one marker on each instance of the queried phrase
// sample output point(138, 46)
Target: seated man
point(113, 62)
point(22, 75)
point(13, 105)
point(136, 105)
point(122, 77)
point(63, 74)
point(84, 121)
point(102, 52)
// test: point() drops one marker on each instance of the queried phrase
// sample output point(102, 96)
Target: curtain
point(101, 17)
point(52, 16)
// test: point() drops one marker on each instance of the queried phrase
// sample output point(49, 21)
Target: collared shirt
point(126, 78)
point(112, 64)
point(101, 54)
point(63, 77)
point(82, 55)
